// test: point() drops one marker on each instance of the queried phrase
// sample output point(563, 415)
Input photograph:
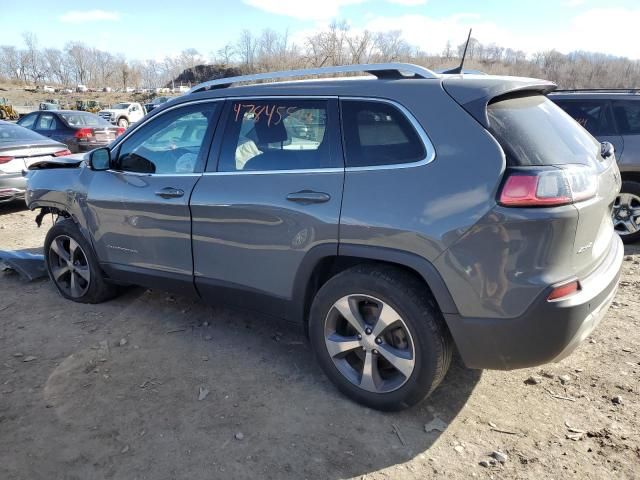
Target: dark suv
point(613, 116)
point(397, 216)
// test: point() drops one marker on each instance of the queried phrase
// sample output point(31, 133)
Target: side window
point(170, 143)
point(627, 115)
point(377, 133)
point(593, 115)
point(28, 121)
point(276, 135)
point(47, 121)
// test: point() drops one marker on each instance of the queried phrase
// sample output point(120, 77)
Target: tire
point(88, 279)
point(626, 212)
point(419, 335)
point(123, 122)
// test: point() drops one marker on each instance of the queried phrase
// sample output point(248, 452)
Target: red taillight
point(546, 187)
point(5, 159)
point(564, 290)
point(84, 133)
point(62, 153)
point(120, 131)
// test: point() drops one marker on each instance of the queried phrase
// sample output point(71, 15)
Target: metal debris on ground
point(28, 265)
point(396, 429)
point(203, 392)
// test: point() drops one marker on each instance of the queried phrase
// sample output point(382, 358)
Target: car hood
point(68, 161)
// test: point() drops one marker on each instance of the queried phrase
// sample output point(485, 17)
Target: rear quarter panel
point(426, 208)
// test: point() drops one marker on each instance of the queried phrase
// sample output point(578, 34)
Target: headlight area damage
point(46, 190)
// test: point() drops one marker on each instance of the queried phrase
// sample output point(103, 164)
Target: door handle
point(307, 197)
point(170, 192)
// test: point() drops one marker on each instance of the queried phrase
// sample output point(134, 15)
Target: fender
point(344, 251)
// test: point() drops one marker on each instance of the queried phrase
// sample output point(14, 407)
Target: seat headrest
point(270, 133)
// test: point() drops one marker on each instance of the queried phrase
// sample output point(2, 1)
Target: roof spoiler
point(475, 94)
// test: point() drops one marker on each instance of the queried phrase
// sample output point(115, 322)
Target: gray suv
point(397, 216)
point(613, 116)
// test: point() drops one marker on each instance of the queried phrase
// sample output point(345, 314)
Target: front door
point(274, 197)
point(140, 218)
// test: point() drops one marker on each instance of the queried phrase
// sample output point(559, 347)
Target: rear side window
point(593, 115)
point(47, 121)
point(278, 134)
point(627, 115)
point(533, 130)
point(378, 133)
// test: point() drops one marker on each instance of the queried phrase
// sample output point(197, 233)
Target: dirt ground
point(112, 391)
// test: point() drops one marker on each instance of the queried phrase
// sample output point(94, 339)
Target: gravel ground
point(155, 386)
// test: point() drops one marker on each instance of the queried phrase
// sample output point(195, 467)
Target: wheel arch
point(325, 261)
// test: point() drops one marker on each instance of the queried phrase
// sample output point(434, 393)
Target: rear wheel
point(379, 337)
point(123, 122)
point(73, 267)
point(626, 212)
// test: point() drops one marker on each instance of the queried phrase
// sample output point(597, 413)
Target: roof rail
point(380, 70)
point(604, 90)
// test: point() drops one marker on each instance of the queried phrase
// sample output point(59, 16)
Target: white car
point(48, 89)
point(82, 88)
point(123, 114)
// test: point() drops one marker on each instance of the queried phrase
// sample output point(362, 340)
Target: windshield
point(534, 131)
point(14, 133)
point(78, 119)
point(121, 106)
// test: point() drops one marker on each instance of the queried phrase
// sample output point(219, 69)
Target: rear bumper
point(12, 186)
point(547, 331)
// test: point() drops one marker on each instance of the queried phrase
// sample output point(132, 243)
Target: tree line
point(338, 44)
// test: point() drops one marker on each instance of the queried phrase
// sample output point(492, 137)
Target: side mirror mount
point(606, 149)
point(100, 159)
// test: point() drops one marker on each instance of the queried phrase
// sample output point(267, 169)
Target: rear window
point(377, 133)
point(78, 119)
point(12, 133)
point(534, 131)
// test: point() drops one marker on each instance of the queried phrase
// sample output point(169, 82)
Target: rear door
point(597, 118)
point(141, 222)
point(272, 198)
point(627, 116)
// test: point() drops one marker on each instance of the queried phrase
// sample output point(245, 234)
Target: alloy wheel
point(626, 214)
point(69, 266)
point(369, 343)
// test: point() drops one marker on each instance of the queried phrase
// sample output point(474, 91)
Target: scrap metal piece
point(30, 266)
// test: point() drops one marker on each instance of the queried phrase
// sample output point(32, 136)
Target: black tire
point(408, 296)
point(96, 290)
point(633, 188)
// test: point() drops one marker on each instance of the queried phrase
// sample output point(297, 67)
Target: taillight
point(62, 153)
point(120, 131)
point(5, 159)
point(548, 186)
point(84, 133)
point(564, 291)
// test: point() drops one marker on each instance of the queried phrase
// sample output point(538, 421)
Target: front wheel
point(626, 212)
point(72, 265)
point(379, 337)
point(123, 122)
